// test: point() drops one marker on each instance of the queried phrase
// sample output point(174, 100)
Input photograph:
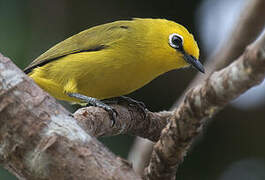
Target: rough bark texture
point(129, 121)
point(39, 140)
point(201, 103)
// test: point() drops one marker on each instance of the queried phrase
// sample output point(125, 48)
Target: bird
point(113, 60)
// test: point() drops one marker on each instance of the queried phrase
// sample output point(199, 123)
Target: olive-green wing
point(93, 39)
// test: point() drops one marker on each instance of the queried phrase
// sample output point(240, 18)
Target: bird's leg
point(97, 103)
point(129, 100)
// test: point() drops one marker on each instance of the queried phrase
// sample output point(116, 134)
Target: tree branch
point(130, 120)
point(39, 140)
point(201, 103)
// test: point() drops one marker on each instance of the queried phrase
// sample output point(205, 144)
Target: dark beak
point(194, 62)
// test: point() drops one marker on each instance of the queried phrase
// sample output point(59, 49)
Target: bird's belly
point(112, 84)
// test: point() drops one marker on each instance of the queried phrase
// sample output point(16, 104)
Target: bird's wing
point(93, 39)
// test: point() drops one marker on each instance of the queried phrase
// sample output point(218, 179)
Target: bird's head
point(174, 45)
point(181, 41)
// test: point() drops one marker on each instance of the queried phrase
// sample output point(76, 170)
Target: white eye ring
point(174, 45)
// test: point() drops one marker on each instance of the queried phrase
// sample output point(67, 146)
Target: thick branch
point(129, 121)
point(39, 140)
point(201, 103)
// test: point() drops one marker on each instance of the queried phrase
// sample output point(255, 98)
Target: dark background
point(231, 147)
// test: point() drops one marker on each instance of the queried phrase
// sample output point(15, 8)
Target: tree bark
point(40, 140)
point(130, 120)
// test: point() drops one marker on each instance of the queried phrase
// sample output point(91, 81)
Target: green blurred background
point(232, 145)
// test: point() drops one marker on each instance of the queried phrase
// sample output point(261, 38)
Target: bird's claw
point(135, 103)
point(112, 113)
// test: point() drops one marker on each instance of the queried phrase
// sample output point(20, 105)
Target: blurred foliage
point(30, 27)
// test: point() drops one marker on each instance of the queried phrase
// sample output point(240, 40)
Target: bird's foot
point(130, 101)
point(97, 103)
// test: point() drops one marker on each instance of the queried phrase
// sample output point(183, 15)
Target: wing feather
point(93, 39)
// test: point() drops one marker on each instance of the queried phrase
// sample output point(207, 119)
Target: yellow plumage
point(111, 60)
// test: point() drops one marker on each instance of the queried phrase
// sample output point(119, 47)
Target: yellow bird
point(113, 59)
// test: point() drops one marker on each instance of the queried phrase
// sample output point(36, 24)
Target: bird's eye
point(176, 41)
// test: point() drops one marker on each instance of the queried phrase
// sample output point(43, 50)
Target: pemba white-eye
point(113, 59)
